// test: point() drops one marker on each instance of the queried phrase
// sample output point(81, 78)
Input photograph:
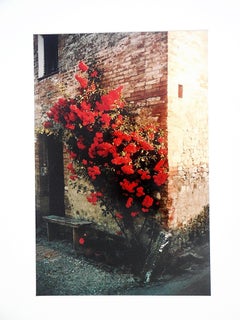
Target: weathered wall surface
point(150, 67)
point(137, 61)
point(187, 126)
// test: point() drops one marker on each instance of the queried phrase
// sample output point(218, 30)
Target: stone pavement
point(61, 272)
point(43, 252)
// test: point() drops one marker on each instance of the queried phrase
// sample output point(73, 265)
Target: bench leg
point(50, 231)
point(75, 238)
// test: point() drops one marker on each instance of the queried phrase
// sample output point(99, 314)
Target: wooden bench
point(73, 223)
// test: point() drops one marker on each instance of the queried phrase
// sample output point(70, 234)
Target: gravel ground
point(61, 271)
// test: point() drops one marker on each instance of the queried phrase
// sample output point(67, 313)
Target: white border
point(19, 20)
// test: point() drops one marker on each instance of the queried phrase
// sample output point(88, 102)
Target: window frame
point(49, 53)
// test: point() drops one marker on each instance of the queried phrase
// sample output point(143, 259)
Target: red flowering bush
point(124, 160)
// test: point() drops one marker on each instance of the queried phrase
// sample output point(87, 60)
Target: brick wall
point(187, 126)
point(137, 61)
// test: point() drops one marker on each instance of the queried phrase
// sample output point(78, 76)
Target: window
point(47, 55)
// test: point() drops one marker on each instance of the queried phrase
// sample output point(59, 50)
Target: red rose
point(72, 116)
point(147, 201)
point(144, 174)
point(127, 169)
point(159, 165)
point(70, 126)
point(121, 160)
point(140, 192)
point(119, 215)
point(93, 198)
point(81, 241)
point(47, 124)
point(85, 106)
point(83, 82)
point(93, 172)
point(104, 148)
point(131, 148)
point(160, 139)
point(117, 141)
point(73, 155)
point(73, 177)
point(80, 144)
point(162, 151)
point(99, 135)
point(134, 214)
point(70, 168)
point(87, 118)
point(50, 114)
point(160, 178)
point(94, 74)
point(74, 108)
point(129, 202)
point(105, 119)
point(128, 186)
point(146, 146)
point(99, 194)
point(62, 101)
point(82, 66)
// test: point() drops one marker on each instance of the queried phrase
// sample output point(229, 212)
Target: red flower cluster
point(82, 66)
point(83, 112)
point(100, 138)
point(128, 186)
point(47, 124)
point(119, 215)
point(82, 81)
point(100, 148)
point(161, 176)
point(140, 192)
point(127, 169)
point(94, 74)
point(57, 112)
point(110, 100)
point(70, 168)
point(129, 202)
point(93, 172)
point(81, 241)
point(80, 144)
point(144, 174)
point(147, 201)
point(134, 213)
point(73, 175)
point(94, 197)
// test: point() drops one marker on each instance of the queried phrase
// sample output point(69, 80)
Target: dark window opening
point(50, 54)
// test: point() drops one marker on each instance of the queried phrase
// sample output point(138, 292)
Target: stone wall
point(187, 124)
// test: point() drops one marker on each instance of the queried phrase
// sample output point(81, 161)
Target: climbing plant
point(124, 159)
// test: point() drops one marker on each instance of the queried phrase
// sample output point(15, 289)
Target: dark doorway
point(55, 176)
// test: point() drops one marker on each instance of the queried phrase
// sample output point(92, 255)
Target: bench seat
point(73, 223)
